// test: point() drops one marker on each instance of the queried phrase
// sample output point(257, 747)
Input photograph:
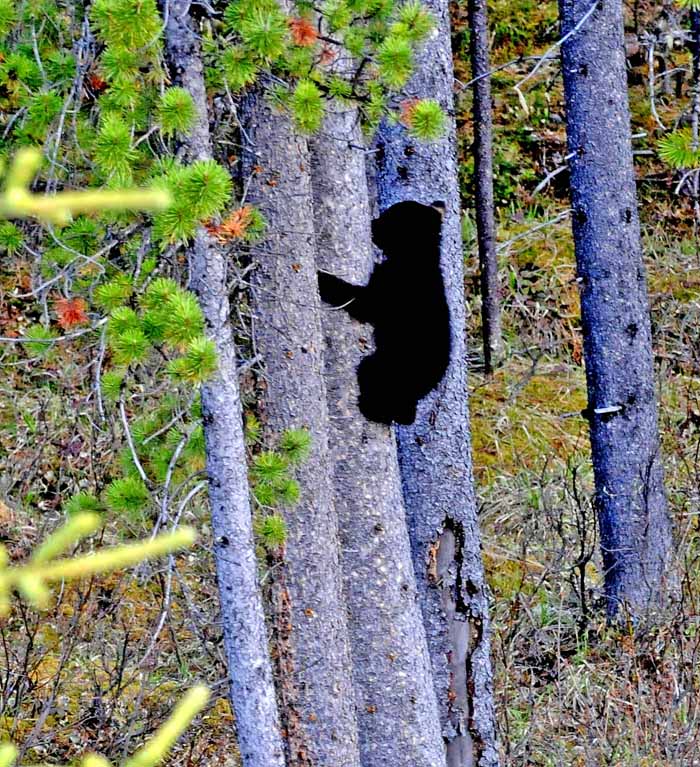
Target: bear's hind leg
point(375, 381)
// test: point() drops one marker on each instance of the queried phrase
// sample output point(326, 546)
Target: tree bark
point(435, 452)
point(397, 712)
point(245, 633)
point(695, 44)
point(483, 184)
point(635, 530)
point(317, 686)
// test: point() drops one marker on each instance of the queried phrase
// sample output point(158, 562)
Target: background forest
point(103, 667)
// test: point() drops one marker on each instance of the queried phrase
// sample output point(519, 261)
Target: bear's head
point(394, 225)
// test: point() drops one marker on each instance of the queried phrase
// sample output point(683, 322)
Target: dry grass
point(570, 690)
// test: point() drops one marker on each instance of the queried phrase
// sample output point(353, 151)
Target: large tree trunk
point(483, 184)
point(245, 633)
point(635, 531)
point(435, 452)
point(397, 712)
point(317, 694)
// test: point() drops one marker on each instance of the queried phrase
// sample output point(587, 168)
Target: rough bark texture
point(435, 452)
point(245, 633)
point(317, 685)
point(397, 711)
point(483, 184)
point(634, 525)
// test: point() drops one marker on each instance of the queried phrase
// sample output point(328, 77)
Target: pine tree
point(389, 648)
point(483, 184)
point(309, 613)
point(435, 451)
point(635, 530)
point(245, 634)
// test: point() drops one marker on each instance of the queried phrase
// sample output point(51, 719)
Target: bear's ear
point(439, 206)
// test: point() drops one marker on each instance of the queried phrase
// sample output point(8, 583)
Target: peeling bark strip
point(397, 712)
point(245, 633)
point(634, 524)
point(318, 686)
point(483, 184)
point(435, 452)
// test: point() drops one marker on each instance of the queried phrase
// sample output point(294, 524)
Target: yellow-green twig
point(32, 579)
point(157, 747)
point(17, 201)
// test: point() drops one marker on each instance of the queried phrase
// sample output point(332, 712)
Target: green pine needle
point(120, 68)
point(131, 24)
point(8, 17)
point(206, 188)
point(154, 323)
point(198, 364)
point(176, 225)
point(355, 40)
point(238, 67)
point(40, 333)
point(395, 59)
point(428, 121)
point(127, 495)
point(113, 151)
point(414, 21)
point(253, 429)
point(338, 88)
point(121, 319)
point(264, 33)
point(41, 110)
point(266, 495)
point(11, 238)
point(130, 347)
point(296, 445)
point(111, 383)
point(185, 320)
point(176, 111)
point(82, 235)
point(307, 106)
point(82, 502)
point(289, 492)
point(158, 293)
point(269, 467)
point(114, 293)
point(337, 15)
point(271, 529)
point(60, 67)
point(677, 150)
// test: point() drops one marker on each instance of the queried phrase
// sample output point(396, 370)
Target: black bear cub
point(405, 302)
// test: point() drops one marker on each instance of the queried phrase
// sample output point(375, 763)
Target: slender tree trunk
point(317, 688)
point(397, 711)
point(635, 530)
point(483, 184)
point(435, 452)
point(245, 633)
point(695, 37)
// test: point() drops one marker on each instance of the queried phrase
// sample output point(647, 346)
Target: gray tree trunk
point(318, 699)
point(435, 452)
point(397, 712)
point(483, 184)
point(635, 530)
point(245, 633)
